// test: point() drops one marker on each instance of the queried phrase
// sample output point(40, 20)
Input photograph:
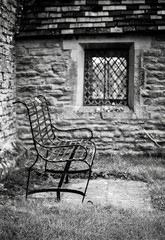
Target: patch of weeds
point(15, 183)
point(157, 191)
point(118, 175)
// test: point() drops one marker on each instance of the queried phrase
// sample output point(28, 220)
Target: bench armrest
point(72, 130)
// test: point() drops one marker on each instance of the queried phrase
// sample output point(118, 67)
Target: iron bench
point(60, 156)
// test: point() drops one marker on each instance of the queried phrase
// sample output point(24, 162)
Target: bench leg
point(87, 184)
point(64, 175)
point(58, 196)
point(28, 178)
point(27, 185)
point(46, 162)
point(67, 178)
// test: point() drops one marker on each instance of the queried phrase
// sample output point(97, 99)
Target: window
point(106, 76)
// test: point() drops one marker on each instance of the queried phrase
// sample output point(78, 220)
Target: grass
point(145, 169)
point(43, 219)
point(36, 221)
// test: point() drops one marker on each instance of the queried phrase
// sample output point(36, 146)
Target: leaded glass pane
point(106, 77)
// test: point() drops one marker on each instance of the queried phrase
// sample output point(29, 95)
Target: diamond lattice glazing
point(106, 77)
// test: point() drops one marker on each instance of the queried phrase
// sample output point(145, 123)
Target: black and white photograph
point(82, 119)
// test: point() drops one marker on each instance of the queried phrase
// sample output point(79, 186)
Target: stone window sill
point(107, 112)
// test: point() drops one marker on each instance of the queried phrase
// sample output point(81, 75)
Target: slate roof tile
point(68, 17)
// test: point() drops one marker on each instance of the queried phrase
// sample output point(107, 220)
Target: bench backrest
point(40, 121)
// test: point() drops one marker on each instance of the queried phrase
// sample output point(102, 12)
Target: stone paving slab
point(118, 193)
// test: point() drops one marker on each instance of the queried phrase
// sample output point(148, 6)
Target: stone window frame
point(119, 46)
point(137, 43)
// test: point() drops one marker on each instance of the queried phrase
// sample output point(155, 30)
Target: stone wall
point(7, 68)
point(8, 10)
point(52, 68)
